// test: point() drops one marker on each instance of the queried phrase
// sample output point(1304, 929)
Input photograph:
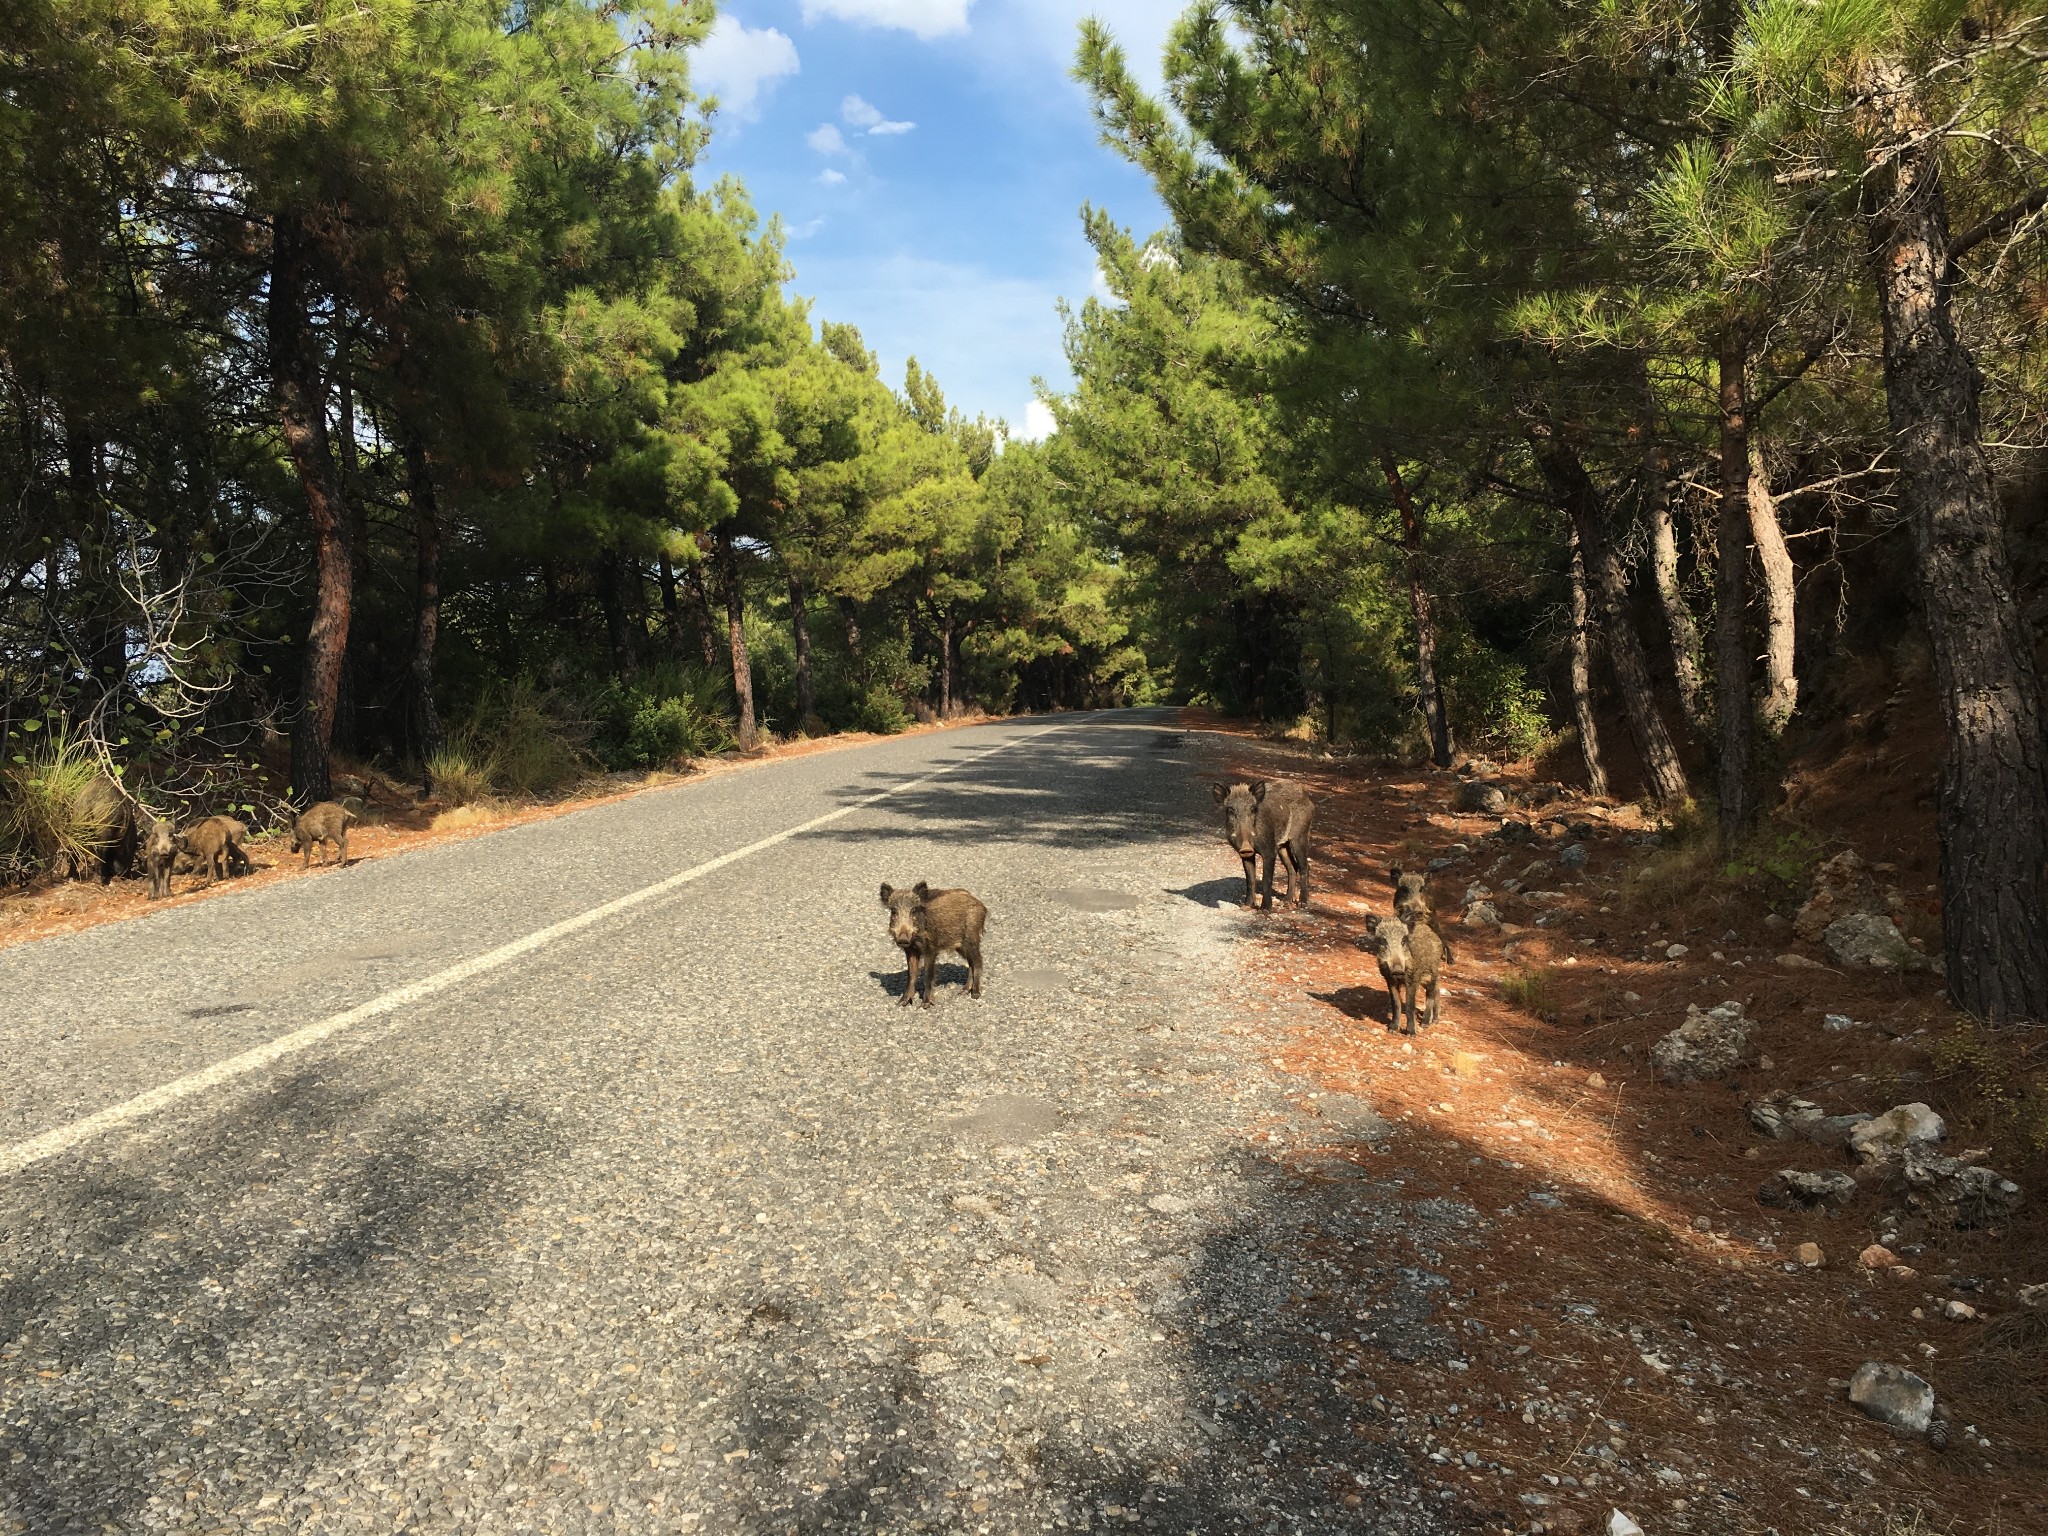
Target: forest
point(1604, 381)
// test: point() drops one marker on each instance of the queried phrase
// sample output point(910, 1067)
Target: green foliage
point(880, 710)
point(661, 717)
point(2005, 1078)
point(1778, 857)
point(531, 737)
point(1534, 992)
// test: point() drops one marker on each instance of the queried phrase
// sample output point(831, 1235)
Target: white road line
point(25, 1154)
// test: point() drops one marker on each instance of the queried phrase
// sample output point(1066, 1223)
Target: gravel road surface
point(672, 1219)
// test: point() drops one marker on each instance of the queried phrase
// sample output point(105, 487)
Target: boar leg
point(341, 846)
point(1298, 852)
point(972, 951)
point(910, 978)
point(1251, 884)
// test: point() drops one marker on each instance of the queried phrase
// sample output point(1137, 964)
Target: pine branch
point(1997, 224)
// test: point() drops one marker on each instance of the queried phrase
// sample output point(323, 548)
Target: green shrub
point(531, 737)
point(1533, 992)
point(55, 810)
point(458, 775)
point(664, 714)
point(881, 711)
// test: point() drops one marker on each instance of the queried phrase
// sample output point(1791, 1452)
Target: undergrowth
point(2004, 1076)
point(54, 807)
point(1534, 992)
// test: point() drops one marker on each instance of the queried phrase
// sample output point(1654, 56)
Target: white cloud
point(1039, 422)
point(981, 332)
point(826, 139)
point(867, 117)
point(830, 177)
point(924, 18)
point(737, 64)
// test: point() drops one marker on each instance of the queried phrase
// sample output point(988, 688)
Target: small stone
point(1959, 1312)
point(1619, 1524)
point(1793, 962)
point(1631, 997)
point(1482, 914)
point(2032, 1295)
point(1464, 1064)
point(1572, 856)
point(1837, 1022)
point(1810, 1255)
point(1877, 1256)
point(1676, 951)
point(1893, 1395)
point(1595, 1080)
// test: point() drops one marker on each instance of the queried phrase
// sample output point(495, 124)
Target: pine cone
point(1937, 1434)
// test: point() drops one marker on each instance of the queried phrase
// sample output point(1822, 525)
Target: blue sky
point(929, 159)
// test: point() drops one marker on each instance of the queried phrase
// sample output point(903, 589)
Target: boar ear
point(1259, 790)
point(923, 889)
point(1218, 791)
point(888, 890)
point(1394, 873)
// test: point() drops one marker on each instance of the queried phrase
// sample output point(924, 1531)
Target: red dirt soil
point(1645, 1285)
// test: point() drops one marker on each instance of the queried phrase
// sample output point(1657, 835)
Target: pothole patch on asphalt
point(1037, 981)
point(1008, 1118)
point(1088, 898)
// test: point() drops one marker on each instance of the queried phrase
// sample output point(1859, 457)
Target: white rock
point(1869, 939)
point(1675, 952)
point(1883, 1139)
point(1893, 1395)
point(1619, 1524)
point(1707, 1045)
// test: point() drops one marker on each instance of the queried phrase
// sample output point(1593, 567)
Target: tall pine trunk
point(850, 616)
point(1431, 687)
point(618, 615)
point(298, 396)
point(800, 628)
point(748, 733)
point(427, 732)
point(1582, 679)
point(348, 731)
point(946, 667)
point(1993, 815)
point(700, 609)
point(1780, 588)
point(1580, 498)
point(1686, 663)
point(1731, 595)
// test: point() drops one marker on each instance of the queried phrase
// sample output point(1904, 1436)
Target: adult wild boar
point(1268, 822)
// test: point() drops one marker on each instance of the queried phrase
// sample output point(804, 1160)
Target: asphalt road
point(553, 1181)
